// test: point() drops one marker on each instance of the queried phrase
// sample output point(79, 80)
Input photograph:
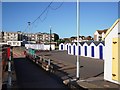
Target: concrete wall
point(40, 46)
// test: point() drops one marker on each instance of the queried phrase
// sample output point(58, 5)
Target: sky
point(93, 16)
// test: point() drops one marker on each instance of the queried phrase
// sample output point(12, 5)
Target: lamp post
point(50, 37)
point(29, 30)
point(78, 31)
point(2, 36)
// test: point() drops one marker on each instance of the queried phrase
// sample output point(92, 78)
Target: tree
point(60, 41)
point(56, 37)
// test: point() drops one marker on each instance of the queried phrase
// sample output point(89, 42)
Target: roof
point(89, 43)
point(111, 28)
point(102, 31)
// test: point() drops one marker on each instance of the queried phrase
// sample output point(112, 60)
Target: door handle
point(114, 42)
point(113, 58)
point(113, 75)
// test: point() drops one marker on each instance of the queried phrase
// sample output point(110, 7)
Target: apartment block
point(20, 36)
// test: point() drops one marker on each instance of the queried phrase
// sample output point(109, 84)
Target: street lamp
point(50, 37)
point(78, 31)
point(29, 30)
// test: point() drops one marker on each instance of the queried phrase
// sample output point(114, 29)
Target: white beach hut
point(92, 50)
point(61, 46)
point(78, 49)
point(82, 48)
point(73, 48)
point(69, 48)
point(112, 53)
point(85, 49)
point(100, 50)
point(88, 49)
point(66, 46)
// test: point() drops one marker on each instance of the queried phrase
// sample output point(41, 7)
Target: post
point(49, 62)
point(9, 69)
point(78, 28)
point(2, 36)
point(29, 30)
point(50, 38)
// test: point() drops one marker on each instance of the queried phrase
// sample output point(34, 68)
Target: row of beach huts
point(94, 49)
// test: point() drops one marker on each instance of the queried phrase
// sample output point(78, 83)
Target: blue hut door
point(70, 49)
point(67, 47)
point(85, 50)
point(79, 50)
point(100, 52)
point(74, 49)
point(61, 47)
point(92, 51)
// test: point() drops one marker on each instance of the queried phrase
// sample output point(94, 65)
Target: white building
point(112, 53)
point(99, 34)
point(10, 36)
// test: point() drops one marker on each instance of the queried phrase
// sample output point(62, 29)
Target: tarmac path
point(30, 75)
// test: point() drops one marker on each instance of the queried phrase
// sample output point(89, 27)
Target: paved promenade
point(0, 69)
point(91, 70)
point(0, 75)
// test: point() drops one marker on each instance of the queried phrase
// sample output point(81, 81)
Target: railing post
point(9, 69)
point(49, 62)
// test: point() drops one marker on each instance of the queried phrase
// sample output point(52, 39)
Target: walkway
point(30, 75)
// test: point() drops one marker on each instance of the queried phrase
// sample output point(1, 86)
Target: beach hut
point(88, 49)
point(82, 48)
point(69, 48)
point(85, 49)
point(78, 49)
point(99, 50)
point(61, 46)
point(66, 46)
point(93, 50)
point(112, 53)
point(73, 48)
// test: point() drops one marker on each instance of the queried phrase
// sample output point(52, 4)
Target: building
point(45, 37)
point(112, 53)
point(10, 36)
point(30, 37)
point(1, 36)
point(81, 39)
point(99, 34)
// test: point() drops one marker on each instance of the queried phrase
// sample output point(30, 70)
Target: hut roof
point(111, 28)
